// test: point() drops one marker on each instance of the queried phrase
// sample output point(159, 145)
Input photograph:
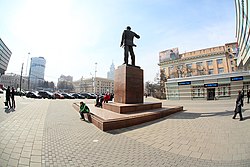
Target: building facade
point(111, 73)
point(203, 74)
point(36, 73)
point(5, 55)
point(13, 80)
point(243, 32)
point(208, 87)
point(94, 85)
point(215, 60)
point(65, 78)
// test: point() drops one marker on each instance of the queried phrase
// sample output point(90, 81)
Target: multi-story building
point(210, 73)
point(88, 85)
point(13, 80)
point(243, 33)
point(65, 78)
point(111, 73)
point(5, 55)
point(215, 60)
point(36, 73)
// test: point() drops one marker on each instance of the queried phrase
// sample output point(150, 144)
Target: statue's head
point(128, 28)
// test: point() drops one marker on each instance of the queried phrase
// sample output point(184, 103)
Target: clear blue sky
point(74, 34)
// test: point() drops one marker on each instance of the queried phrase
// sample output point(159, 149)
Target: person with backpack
point(84, 109)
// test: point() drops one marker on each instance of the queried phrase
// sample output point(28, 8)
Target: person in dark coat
point(7, 96)
point(127, 42)
point(239, 105)
point(248, 96)
point(97, 100)
point(12, 95)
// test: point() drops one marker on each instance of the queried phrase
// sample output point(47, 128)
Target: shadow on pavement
point(179, 115)
point(6, 110)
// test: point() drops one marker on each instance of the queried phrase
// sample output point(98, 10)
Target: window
point(171, 68)
point(199, 64)
point(198, 92)
point(232, 68)
point(232, 62)
point(189, 74)
point(189, 66)
point(210, 62)
point(224, 90)
point(221, 70)
point(211, 71)
point(219, 61)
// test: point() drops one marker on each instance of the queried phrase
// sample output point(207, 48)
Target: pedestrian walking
point(248, 96)
point(239, 105)
point(12, 95)
point(7, 96)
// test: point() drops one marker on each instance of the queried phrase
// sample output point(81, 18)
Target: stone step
point(129, 108)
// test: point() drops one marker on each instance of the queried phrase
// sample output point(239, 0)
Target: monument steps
point(107, 120)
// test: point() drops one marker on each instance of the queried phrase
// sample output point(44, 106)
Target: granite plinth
point(129, 108)
point(128, 84)
point(107, 120)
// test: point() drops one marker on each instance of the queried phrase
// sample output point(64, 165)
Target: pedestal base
point(128, 85)
point(130, 108)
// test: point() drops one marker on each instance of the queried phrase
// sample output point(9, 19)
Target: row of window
point(199, 92)
point(200, 64)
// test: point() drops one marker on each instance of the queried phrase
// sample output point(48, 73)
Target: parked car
point(20, 93)
point(58, 96)
point(88, 95)
point(78, 96)
point(33, 95)
point(46, 94)
point(1, 90)
point(68, 96)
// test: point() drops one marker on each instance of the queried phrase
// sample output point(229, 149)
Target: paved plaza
point(44, 132)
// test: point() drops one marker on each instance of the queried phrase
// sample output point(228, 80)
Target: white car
point(1, 90)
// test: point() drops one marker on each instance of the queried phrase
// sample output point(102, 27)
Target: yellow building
point(207, 74)
point(215, 60)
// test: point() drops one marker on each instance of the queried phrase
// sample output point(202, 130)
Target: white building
point(243, 33)
point(111, 73)
point(13, 80)
point(36, 73)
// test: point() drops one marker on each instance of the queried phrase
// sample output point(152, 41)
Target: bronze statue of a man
point(127, 42)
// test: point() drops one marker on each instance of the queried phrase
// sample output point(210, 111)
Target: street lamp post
point(92, 82)
point(21, 78)
point(95, 77)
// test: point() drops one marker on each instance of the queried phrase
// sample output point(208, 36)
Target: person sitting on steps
point(84, 109)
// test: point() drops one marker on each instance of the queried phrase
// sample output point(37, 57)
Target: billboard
point(170, 54)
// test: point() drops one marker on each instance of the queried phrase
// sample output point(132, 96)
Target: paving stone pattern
point(49, 133)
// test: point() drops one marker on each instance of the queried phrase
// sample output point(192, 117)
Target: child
point(84, 109)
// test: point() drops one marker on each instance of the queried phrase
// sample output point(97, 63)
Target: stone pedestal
point(128, 86)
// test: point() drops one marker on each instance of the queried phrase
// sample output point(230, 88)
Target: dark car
point(68, 96)
point(33, 95)
point(78, 96)
point(88, 95)
point(46, 94)
point(20, 93)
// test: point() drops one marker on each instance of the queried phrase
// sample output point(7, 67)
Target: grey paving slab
point(50, 133)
